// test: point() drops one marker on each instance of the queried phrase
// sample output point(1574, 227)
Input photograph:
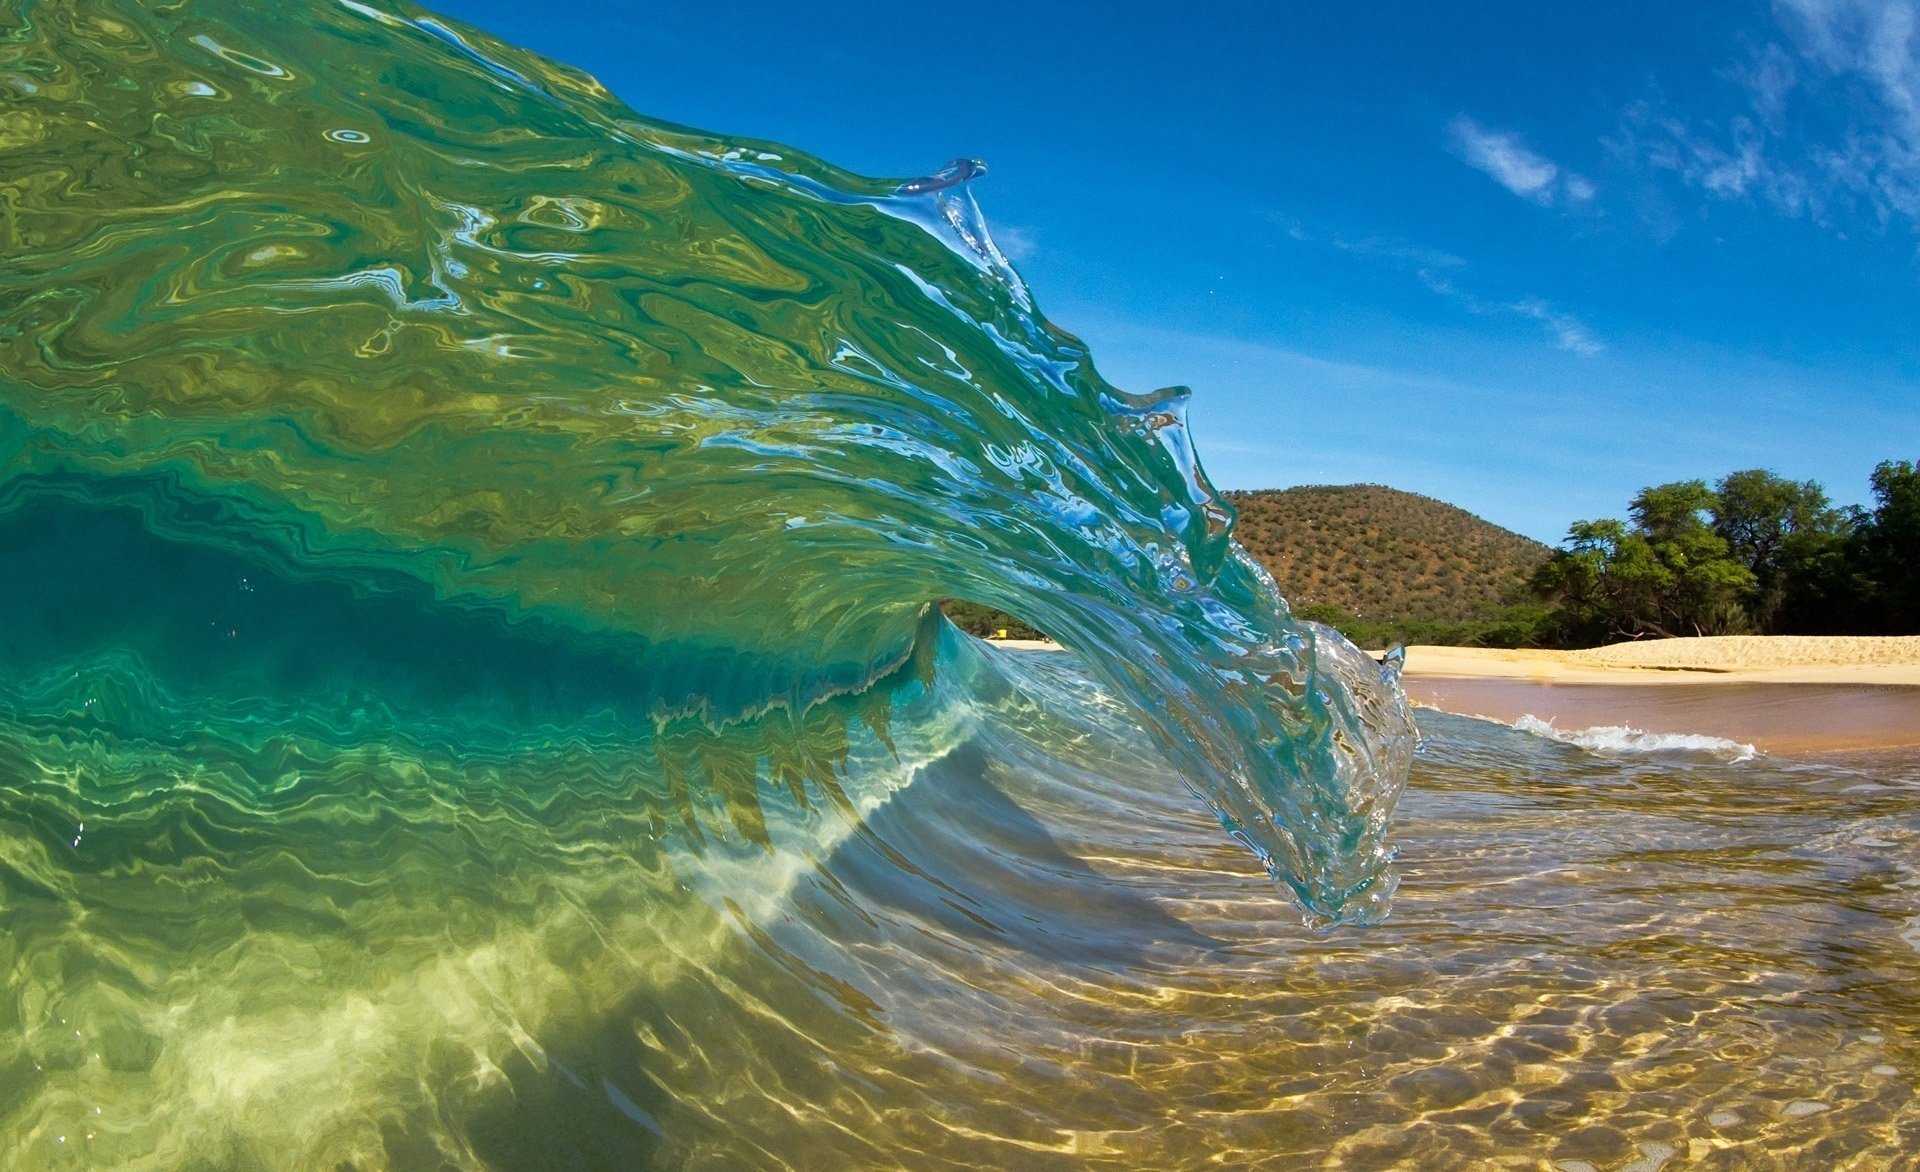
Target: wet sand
point(1791, 695)
point(1780, 718)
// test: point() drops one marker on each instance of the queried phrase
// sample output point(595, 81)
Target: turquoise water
point(471, 696)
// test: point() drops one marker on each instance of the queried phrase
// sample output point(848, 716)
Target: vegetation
point(986, 622)
point(1753, 553)
point(1385, 566)
point(1381, 565)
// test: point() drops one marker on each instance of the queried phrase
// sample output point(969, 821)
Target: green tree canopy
point(1890, 545)
point(1668, 573)
point(1755, 552)
point(1785, 532)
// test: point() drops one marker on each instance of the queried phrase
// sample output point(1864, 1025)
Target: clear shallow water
point(1018, 944)
point(468, 697)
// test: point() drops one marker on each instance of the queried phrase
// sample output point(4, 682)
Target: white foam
point(1619, 738)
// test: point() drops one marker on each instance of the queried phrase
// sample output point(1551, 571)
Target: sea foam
point(1622, 739)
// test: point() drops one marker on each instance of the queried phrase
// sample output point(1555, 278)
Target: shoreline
point(1796, 696)
point(1782, 719)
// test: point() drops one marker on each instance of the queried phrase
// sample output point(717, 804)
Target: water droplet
point(351, 136)
point(957, 172)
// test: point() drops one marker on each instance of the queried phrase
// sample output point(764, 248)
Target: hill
point(1386, 565)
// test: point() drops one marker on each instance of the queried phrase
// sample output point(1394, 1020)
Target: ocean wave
point(1621, 739)
point(355, 295)
point(470, 553)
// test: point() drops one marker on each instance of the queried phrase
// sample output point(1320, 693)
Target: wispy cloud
point(1567, 331)
point(1828, 119)
point(1871, 49)
point(1516, 166)
point(1730, 163)
point(1016, 244)
point(1440, 272)
point(1381, 248)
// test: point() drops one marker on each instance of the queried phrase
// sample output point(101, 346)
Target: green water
point(470, 696)
point(347, 291)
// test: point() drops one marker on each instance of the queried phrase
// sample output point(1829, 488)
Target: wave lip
point(388, 299)
point(1619, 739)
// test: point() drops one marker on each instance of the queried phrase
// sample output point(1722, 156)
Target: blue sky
point(1525, 258)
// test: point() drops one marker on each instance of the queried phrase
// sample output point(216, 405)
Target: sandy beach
point(1891, 660)
point(1774, 659)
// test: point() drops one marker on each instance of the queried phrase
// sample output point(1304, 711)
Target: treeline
point(1520, 622)
point(1752, 553)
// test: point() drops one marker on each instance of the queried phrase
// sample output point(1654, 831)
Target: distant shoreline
point(1784, 694)
point(1873, 660)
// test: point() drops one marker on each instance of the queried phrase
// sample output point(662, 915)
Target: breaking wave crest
point(1622, 739)
point(468, 547)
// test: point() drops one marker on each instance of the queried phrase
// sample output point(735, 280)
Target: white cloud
point(1732, 164)
point(1771, 78)
point(1567, 331)
point(1394, 252)
point(1871, 49)
point(1515, 166)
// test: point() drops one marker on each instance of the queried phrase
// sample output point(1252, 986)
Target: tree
point(1668, 574)
point(1693, 581)
point(1787, 534)
point(1888, 546)
point(1755, 552)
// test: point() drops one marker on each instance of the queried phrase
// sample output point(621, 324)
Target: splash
point(415, 464)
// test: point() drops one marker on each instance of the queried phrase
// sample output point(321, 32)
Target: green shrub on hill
point(1380, 565)
point(1384, 566)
